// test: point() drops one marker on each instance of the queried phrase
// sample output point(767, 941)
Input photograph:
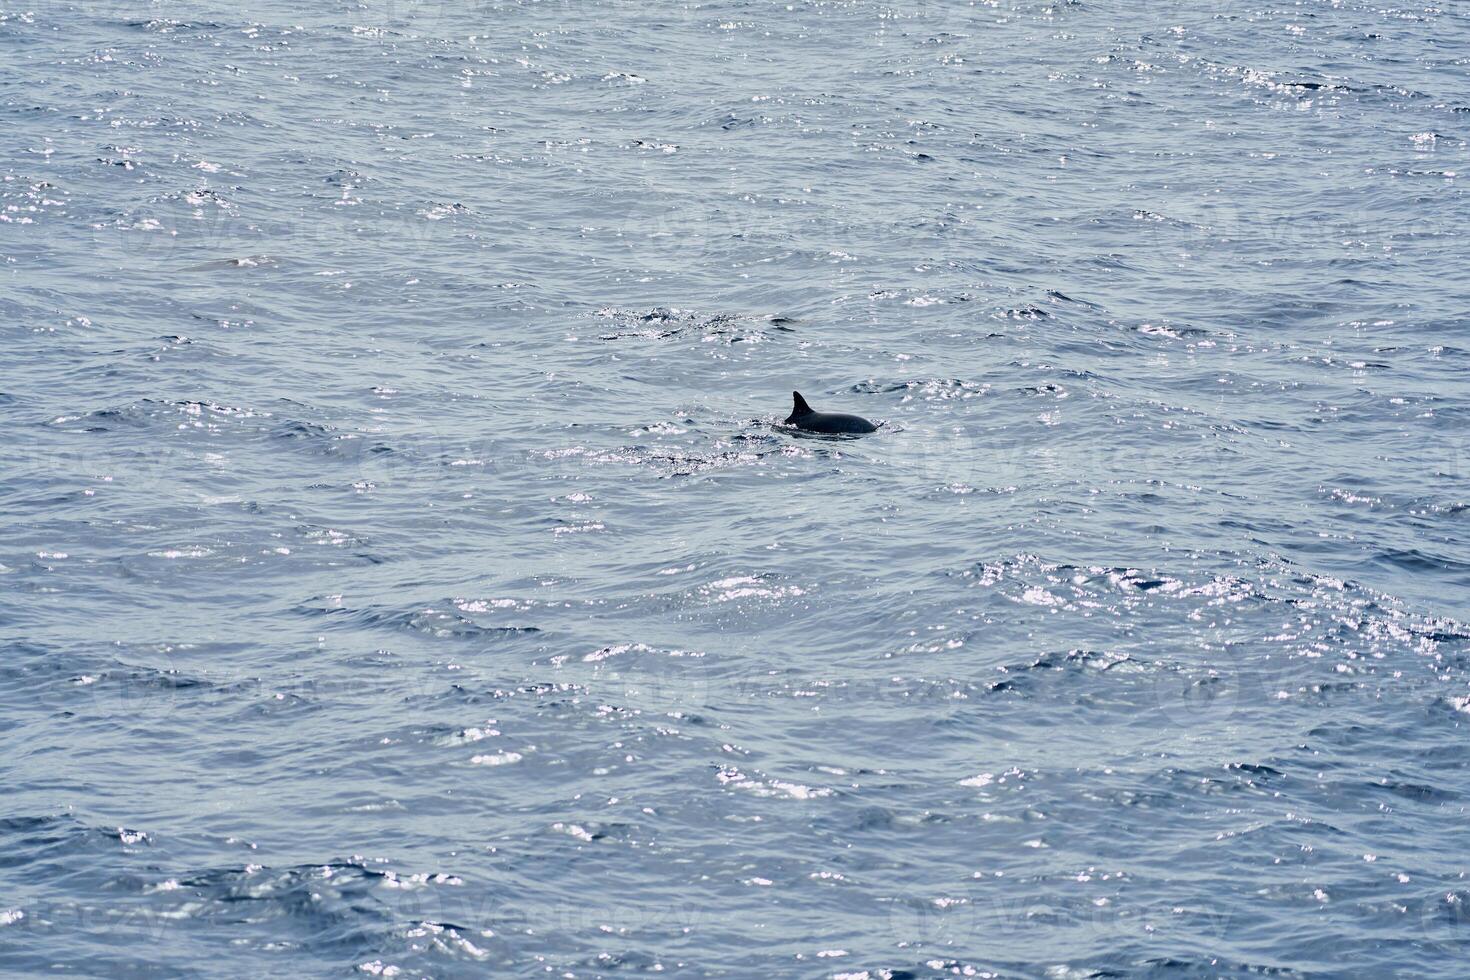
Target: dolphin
point(803, 417)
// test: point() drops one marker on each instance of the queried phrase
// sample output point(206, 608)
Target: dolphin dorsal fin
point(799, 405)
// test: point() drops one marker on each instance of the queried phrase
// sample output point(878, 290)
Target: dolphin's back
point(834, 422)
point(803, 417)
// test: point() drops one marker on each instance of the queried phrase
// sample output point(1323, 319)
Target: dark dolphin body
point(803, 417)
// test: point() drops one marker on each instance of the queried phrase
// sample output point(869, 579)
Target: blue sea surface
point(405, 570)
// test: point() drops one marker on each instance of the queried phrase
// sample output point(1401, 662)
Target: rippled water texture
point(405, 570)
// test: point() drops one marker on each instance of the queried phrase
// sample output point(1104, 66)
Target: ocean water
point(404, 570)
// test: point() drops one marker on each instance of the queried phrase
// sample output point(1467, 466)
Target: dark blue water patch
point(442, 621)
